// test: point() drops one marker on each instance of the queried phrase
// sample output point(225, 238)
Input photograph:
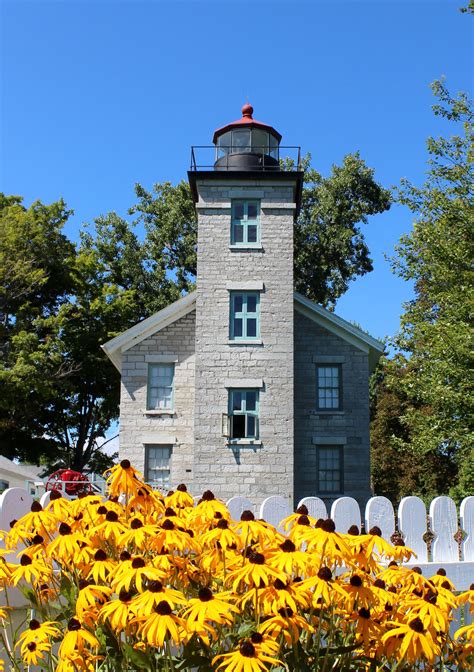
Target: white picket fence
point(412, 522)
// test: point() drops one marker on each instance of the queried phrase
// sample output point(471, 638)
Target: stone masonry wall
point(139, 427)
point(266, 467)
point(314, 344)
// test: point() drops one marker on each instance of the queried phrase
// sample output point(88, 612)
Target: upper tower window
point(245, 227)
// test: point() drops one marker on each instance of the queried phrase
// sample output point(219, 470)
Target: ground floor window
point(330, 469)
point(243, 414)
point(157, 466)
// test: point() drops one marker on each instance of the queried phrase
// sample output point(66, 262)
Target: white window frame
point(166, 408)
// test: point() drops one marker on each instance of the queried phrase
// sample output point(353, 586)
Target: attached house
point(245, 387)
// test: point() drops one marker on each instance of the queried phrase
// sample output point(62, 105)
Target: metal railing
point(211, 157)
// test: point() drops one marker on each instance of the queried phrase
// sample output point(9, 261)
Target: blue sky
point(98, 95)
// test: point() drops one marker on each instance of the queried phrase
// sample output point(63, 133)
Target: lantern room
point(247, 144)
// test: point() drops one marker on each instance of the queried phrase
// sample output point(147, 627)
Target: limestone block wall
point(139, 427)
point(266, 467)
point(348, 427)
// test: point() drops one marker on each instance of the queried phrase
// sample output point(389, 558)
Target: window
point(243, 414)
point(329, 387)
point(157, 466)
point(244, 315)
point(4, 485)
point(160, 387)
point(330, 474)
point(245, 228)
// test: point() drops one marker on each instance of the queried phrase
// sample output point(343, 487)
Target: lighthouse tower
point(243, 415)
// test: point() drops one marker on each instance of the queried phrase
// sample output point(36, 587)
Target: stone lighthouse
point(243, 414)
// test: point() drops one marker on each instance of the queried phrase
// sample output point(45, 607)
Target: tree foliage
point(431, 376)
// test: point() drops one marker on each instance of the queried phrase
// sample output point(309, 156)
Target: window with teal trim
point(244, 315)
point(245, 228)
point(160, 387)
point(243, 414)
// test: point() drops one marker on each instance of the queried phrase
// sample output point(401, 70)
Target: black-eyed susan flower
point(76, 640)
point(39, 632)
point(441, 580)
point(279, 595)
point(286, 623)
point(247, 658)
point(359, 592)
point(33, 653)
point(111, 529)
point(37, 521)
point(412, 642)
point(123, 479)
point(255, 573)
point(89, 600)
point(288, 522)
point(134, 573)
point(180, 498)
point(66, 544)
point(161, 625)
point(118, 612)
point(138, 535)
point(145, 603)
point(101, 567)
point(287, 558)
point(209, 607)
point(30, 570)
point(222, 536)
point(324, 588)
point(254, 531)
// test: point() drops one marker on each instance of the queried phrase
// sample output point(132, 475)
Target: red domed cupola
point(247, 144)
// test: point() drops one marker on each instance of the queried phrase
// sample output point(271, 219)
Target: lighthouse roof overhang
point(246, 122)
point(175, 311)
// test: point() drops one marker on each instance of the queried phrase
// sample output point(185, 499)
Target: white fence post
point(316, 507)
point(345, 512)
point(379, 512)
point(274, 509)
point(412, 524)
point(444, 525)
point(466, 516)
point(237, 505)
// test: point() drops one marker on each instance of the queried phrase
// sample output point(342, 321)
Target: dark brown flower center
point(31, 647)
point(246, 516)
point(136, 524)
point(430, 597)
point(100, 555)
point(138, 563)
point(416, 625)
point(64, 529)
point(55, 494)
point(325, 574)
point(205, 594)
point(303, 520)
point(279, 585)
point(74, 624)
point(34, 624)
point(288, 546)
point(168, 525)
point(417, 570)
point(376, 531)
point(441, 571)
point(257, 638)
point(169, 512)
point(37, 539)
point(36, 507)
point(111, 517)
point(302, 510)
point(102, 510)
point(25, 560)
point(163, 608)
point(356, 581)
point(257, 558)
point(125, 596)
point(155, 586)
point(125, 555)
point(207, 496)
point(222, 524)
point(379, 583)
point(247, 649)
point(286, 612)
point(329, 525)
point(182, 488)
point(125, 464)
point(353, 530)
point(364, 613)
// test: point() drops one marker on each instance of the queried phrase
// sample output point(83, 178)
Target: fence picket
point(466, 516)
point(274, 509)
point(379, 512)
point(316, 507)
point(237, 505)
point(14, 503)
point(412, 524)
point(345, 512)
point(444, 525)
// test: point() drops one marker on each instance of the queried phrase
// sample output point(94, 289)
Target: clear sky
point(98, 95)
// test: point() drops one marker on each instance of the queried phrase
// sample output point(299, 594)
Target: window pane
point(251, 303)
point(251, 327)
point(250, 426)
point(237, 327)
point(238, 302)
point(237, 401)
point(237, 233)
point(238, 210)
point(250, 400)
point(252, 210)
point(238, 427)
point(259, 141)
point(252, 233)
point(241, 140)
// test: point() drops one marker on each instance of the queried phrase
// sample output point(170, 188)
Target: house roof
point(28, 471)
point(326, 319)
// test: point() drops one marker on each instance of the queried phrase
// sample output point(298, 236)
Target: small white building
point(14, 475)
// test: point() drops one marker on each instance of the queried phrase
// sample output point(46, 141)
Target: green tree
point(435, 336)
point(330, 249)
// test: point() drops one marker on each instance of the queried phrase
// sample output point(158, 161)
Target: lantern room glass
point(247, 140)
